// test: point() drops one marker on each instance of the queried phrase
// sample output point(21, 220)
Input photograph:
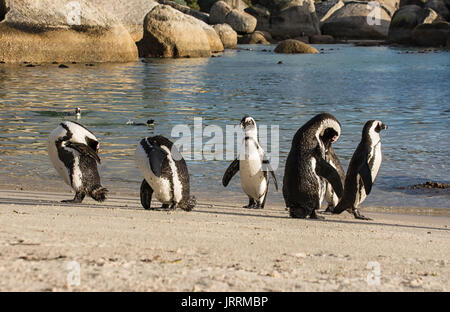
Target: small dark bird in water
point(280, 62)
point(76, 113)
point(149, 123)
point(63, 66)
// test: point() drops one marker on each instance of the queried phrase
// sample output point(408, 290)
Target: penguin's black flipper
point(156, 157)
point(84, 149)
point(327, 171)
point(267, 167)
point(366, 176)
point(232, 169)
point(146, 195)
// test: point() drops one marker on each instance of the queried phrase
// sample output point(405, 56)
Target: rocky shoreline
point(48, 31)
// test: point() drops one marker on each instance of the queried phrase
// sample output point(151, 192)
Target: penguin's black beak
point(383, 126)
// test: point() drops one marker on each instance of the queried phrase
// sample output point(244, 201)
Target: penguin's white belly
point(321, 182)
point(253, 182)
point(161, 188)
point(377, 158)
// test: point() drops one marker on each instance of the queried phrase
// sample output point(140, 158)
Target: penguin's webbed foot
point(259, 206)
point(251, 204)
point(79, 196)
point(71, 201)
point(360, 216)
point(173, 206)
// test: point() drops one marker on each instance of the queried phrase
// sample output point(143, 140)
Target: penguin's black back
point(166, 171)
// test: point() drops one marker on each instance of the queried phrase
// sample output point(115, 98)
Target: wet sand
point(217, 247)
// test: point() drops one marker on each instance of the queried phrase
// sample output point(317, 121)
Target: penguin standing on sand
point(165, 174)
point(362, 170)
point(253, 167)
point(73, 151)
point(307, 170)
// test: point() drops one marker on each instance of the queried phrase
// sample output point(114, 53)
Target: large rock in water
point(241, 21)
point(351, 22)
point(432, 35)
point(227, 35)
point(170, 33)
point(215, 43)
point(130, 13)
point(49, 30)
point(294, 46)
point(406, 19)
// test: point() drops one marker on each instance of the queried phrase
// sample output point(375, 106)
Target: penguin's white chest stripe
point(376, 159)
point(77, 175)
point(320, 183)
point(177, 186)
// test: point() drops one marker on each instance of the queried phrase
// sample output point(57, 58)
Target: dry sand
point(221, 247)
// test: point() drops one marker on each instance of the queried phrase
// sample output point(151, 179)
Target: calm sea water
point(409, 92)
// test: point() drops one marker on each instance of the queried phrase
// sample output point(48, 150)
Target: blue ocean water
point(409, 92)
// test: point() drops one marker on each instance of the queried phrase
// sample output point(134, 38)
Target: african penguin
point(253, 167)
point(73, 151)
point(362, 170)
point(165, 174)
point(307, 170)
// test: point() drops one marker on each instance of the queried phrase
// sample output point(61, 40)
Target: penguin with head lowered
point(307, 171)
point(362, 170)
point(253, 167)
point(73, 151)
point(165, 174)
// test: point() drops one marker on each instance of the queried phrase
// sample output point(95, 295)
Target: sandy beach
point(217, 247)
